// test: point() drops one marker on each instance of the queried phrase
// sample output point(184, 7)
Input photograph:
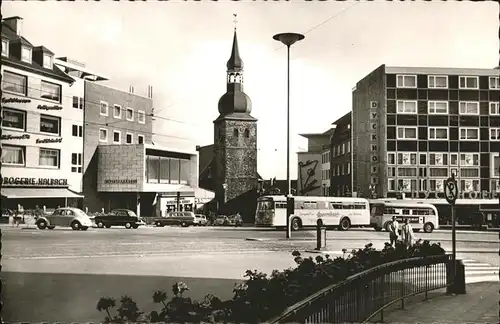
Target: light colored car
point(65, 217)
point(221, 220)
point(201, 220)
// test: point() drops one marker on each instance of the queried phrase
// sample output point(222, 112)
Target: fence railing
point(362, 296)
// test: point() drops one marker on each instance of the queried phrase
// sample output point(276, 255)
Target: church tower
point(235, 145)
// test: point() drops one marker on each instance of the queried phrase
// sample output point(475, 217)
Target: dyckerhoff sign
point(13, 137)
point(45, 107)
point(34, 181)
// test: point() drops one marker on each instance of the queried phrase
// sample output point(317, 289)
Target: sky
point(181, 49)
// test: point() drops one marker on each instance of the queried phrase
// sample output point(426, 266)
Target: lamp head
point(288, 38)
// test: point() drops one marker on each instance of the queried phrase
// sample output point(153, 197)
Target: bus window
point(405, 212)
point(346, 206)
point(280, 205)
point(389, 210)
point(336, 205)
point(310, 205)
point(359, 206)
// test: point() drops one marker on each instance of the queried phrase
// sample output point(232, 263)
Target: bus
point(470, 213)
point(421, 216)
point(340, 212)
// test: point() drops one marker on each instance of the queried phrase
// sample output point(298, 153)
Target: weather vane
point(235, 20)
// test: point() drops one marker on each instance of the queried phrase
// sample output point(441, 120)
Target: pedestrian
point(393, 231)
point(407, 233)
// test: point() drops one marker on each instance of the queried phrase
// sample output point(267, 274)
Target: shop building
point(340, 158)
point(146, 178)
point(37, 138)
point(415, 127)
point(310, 174)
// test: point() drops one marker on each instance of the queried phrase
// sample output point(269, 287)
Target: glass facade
point(167, 170)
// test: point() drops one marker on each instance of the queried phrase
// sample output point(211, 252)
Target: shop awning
point(39, 193)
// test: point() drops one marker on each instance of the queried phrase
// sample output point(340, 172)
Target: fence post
point(403, 289)
point(383, 298)
point(426, 281)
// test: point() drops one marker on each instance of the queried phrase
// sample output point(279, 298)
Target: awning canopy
point(39, 193)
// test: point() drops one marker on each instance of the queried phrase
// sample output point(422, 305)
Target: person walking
point(393, 231)
point(407, 233)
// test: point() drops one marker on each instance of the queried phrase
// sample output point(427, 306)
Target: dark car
point(234, 220)
point(183, 219)
point(119, 217)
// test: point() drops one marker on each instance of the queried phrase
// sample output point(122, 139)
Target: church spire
point(235, 63)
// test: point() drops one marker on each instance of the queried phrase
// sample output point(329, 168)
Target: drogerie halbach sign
point(16, 181)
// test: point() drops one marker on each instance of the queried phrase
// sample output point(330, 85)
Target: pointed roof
point(235, 62)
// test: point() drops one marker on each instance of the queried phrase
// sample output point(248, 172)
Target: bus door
point(376, 213)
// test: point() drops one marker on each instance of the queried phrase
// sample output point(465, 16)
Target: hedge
point(261, 297)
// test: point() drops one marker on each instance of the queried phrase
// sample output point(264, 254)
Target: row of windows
point(325, 157)
point(410, 107)
point(437, 172)
point(440, 159)
point(342, 149)
point(441, 82)
point(342, 169)
point(443, 133)
point(16, 155)
point(16, 120)
point(118, 111)
point(27, 54)
point(434, 185)
point(167, 170)
point(18, 84)
point(414, 211)
point(117, 137)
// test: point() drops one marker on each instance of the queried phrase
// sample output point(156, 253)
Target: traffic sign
point(451, 190)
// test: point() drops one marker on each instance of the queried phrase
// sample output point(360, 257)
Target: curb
point(354, 239)
point(323, 251)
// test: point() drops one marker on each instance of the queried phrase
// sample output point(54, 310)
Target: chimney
point(150, 92)
point(131, 89)
point(15, 23)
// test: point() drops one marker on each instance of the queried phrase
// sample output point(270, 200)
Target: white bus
point(341, 212)
point(421, 215)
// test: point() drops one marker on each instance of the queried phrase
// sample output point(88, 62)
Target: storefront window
point(174, 171)
point(184, 173)
point(164, 170)
point(153, 167)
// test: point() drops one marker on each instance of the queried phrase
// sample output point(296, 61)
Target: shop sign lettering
point(120, 181)
point(45, 107)
point(461, 195)
point(48, 140)
point(34, 181)
point(374, 145)
point(15, 100)
point(14, 137)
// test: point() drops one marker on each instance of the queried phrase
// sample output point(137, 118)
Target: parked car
point(200, 220)
point(119, 217)
point(65, 217)
point(234, 220)
point(183, 219)
point(220, 220)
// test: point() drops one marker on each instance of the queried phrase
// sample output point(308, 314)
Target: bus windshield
point(265, 205)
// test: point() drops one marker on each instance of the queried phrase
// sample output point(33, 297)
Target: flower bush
point(262, 297)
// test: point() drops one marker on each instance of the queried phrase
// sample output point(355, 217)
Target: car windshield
point(131, 213)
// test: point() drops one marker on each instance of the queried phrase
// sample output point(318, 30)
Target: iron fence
point(362, 296)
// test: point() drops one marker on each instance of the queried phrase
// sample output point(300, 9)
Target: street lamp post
point(288, 39)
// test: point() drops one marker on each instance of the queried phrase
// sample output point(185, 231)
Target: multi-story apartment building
point(415, 127)
point(340, 158)
point(37, 126)
point(310, 164)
